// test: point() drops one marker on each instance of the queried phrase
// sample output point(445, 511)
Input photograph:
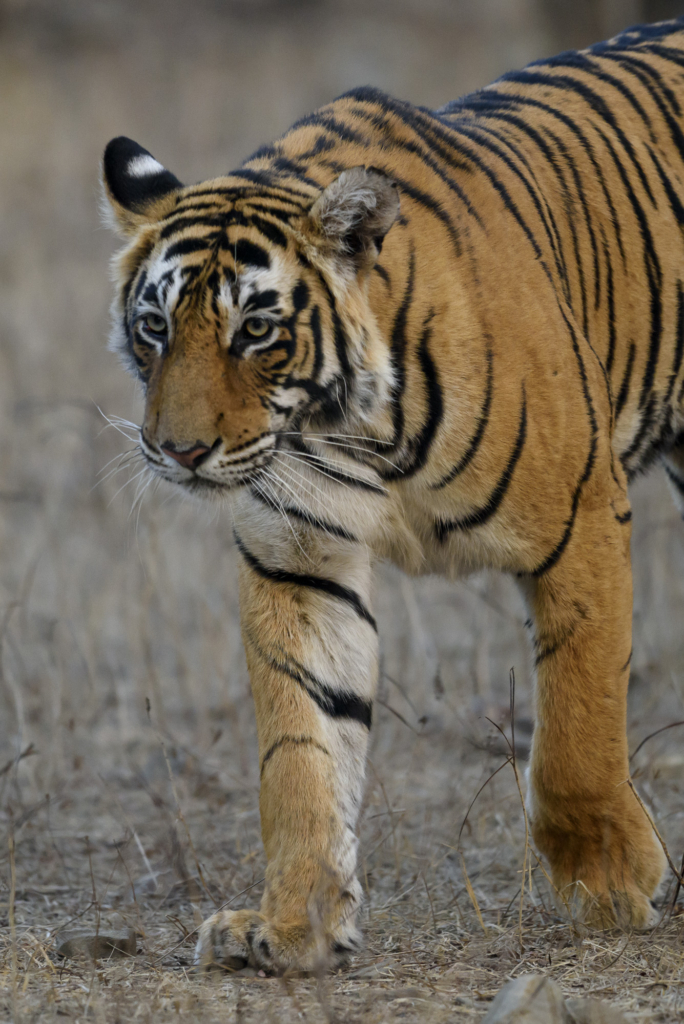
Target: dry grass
point(100, 613)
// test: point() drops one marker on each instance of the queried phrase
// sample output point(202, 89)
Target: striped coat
point(446, 338)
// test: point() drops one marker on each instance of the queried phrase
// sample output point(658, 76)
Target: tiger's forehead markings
point(225, 206)
point(251, 287)
point(233, 251)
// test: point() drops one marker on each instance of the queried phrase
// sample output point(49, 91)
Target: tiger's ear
point(355, 212)
point(138, 189)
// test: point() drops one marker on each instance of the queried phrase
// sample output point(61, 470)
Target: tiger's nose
point(189, 458)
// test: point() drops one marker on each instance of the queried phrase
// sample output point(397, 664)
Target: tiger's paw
point(234, 939)
point(606, 869)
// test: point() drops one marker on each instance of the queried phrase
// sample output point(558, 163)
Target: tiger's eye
point(257, 327)
point(154, 324)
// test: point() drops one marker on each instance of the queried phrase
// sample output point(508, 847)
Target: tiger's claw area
point(235, 939)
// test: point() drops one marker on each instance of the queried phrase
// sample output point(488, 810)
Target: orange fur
point(448, 338)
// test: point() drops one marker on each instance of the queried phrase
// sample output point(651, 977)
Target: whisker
point(345, 437)
point(119, 455)
point(358, 448)
point(124, 423)
point(281, 510)
point(118, 423)
point(125, 458)
point(312, 460)
point(132, 458)
point(291, 455)
point(139, 494)
point(302, 462)
point(324, 500)
point(304, 511)
point(129, 481)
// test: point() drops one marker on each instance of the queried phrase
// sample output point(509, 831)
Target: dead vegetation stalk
point(653, 825)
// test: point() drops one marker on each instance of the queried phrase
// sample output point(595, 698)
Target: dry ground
point(120, 818)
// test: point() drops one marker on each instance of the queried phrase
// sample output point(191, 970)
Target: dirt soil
point(128, 763)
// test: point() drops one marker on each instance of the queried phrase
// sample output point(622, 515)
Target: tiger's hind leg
point(605, 861)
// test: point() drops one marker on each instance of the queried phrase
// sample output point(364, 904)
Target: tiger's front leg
point(311, 645)
point(605, 860)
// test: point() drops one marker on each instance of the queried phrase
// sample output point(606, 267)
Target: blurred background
point(106, 603)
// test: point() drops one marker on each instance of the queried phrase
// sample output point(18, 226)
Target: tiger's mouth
point(213, 470)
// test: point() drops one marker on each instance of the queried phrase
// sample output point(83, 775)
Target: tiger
point(448, 339)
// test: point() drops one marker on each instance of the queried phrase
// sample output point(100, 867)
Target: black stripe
point(547, 646)
point(330, 587)
point(191, 205)
point(339, 334)
point(307, 517)
point(536, 138)
point(597, 103)
point(553, 558)
point(473, 133)
point(610, 292)
point(336, 703)
point(648, 419)
point(645, 74)
point(322, 466)
point(248, 253)
point(502, 191)
point(398, 352)
point(284, 216)
point(188, 245)
point(675, 202)
point(262, 300)
point(486, 511)
point(488, 103)
point(327, 120)
point(316, 334)
point(268, 181)
point(654, 275)
point(679, 344)
point(418, 447)
point(577, 178)
point(382, 273)
point(664, 436)
point(300, 296)
point(434, 138)
point(270, 231)
point(434, 206)
point(470, 451)
point(665, 53)
point(579, 62)
point(624, 387)
point(299, 741)
point(179, 222)
point(677, 481)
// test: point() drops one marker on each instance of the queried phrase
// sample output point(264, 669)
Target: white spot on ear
point(143, 166)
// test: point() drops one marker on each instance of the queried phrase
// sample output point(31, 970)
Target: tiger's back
point(575, 163)
point(448, 338)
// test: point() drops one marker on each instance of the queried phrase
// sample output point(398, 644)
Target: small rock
point(594, 1011)
point(100, 947)
point(534, 999)
point(530, 999)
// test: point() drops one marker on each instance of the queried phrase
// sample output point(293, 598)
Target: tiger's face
point(244, 312)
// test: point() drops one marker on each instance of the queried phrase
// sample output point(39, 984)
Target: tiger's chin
point(204, 489)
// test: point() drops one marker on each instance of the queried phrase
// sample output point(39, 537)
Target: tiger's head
point(243, 308)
